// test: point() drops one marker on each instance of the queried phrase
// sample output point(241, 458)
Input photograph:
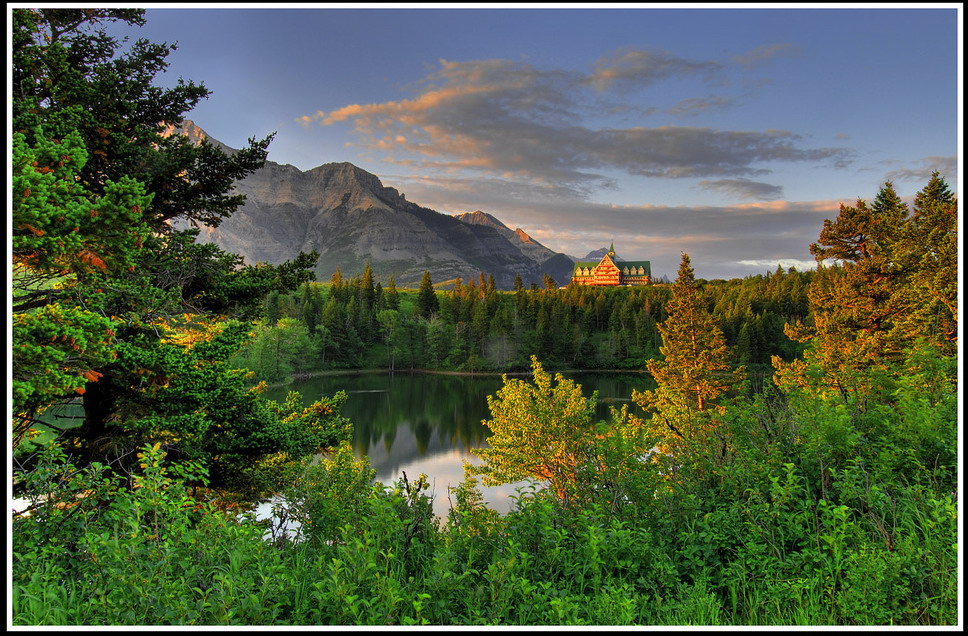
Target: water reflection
point(428, 423)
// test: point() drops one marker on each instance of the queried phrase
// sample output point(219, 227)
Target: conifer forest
point(794, 460)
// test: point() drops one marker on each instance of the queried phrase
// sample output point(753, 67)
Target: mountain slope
point(351, 218)
point(528, 246)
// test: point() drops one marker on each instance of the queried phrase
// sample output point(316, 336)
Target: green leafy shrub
point(145, 552)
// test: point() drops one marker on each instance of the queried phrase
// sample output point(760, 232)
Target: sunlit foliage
point(828, 498)
point(544, 430)
point(892, 286)
point(694, 372)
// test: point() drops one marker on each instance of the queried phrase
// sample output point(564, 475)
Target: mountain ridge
point(352, 219)
point(517, 236)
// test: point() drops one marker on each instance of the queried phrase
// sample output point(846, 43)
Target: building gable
point(611, 271)
point(606, 265)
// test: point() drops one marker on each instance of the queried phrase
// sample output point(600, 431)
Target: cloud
point(744, 189)
point(496, 118)
point(946, 166)
point(723, 241)
point(680, 151)
point(306, 120)
point(782, 262)
point(766, 53)
point(537, 147)
point(698, 105)
point(632, 69)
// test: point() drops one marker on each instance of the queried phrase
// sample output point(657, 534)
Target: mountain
point(557, 265)
point(519, 237)
point(597, 255)
point(349, 217)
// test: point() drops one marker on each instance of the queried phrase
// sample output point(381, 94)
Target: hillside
point(349, 217)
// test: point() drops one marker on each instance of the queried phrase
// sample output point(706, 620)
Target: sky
point(729, 134)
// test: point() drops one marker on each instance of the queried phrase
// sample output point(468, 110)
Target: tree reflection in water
point(428, 423)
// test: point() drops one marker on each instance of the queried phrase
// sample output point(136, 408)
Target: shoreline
point(308, 375)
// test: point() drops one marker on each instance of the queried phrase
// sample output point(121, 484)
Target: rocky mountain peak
point(351, 219)
point(196, 135)
point(599, 253)
point(481, 218)
point(351, 187)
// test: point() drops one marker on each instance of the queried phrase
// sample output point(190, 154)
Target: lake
point(428, 423)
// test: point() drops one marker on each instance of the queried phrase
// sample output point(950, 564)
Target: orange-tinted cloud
point(499, 118)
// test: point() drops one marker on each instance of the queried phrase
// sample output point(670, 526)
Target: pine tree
point(427, 303)
point(273, 308)
point(695, 370)
point(865, 240)
point(367, 293)
point(892, 285)
point(930, 295)
point(336, 286)
point(392, 298)
point(91, 148)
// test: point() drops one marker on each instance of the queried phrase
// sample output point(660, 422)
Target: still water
point(428, 423)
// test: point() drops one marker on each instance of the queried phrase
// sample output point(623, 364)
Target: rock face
point(349, 217)
point(518, 237)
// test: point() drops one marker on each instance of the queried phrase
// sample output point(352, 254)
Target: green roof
point(646, 265)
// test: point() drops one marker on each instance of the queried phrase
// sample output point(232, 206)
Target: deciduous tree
point(539, 430)
point(545, 430)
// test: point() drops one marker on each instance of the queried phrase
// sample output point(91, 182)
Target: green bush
point(803, 520)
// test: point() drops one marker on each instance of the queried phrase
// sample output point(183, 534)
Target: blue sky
point(729, 134)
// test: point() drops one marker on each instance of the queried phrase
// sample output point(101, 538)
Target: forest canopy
point(795, 463)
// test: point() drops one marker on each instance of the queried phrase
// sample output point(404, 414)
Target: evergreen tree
point(335, 347)
point(929, 297)
point(745, 346)
point(312, 306)
point(336, 285)
point(440, 341)
point(490, 290)
point(480, 326)
point(378, 300)
point(389, 320)
point(367, 294)
point(273, 308)
point(864, 240)
point(891, 286)
point(90, 140)
point(695, 370)
point(392, 297)
point(70, 76)
point(427, 303)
